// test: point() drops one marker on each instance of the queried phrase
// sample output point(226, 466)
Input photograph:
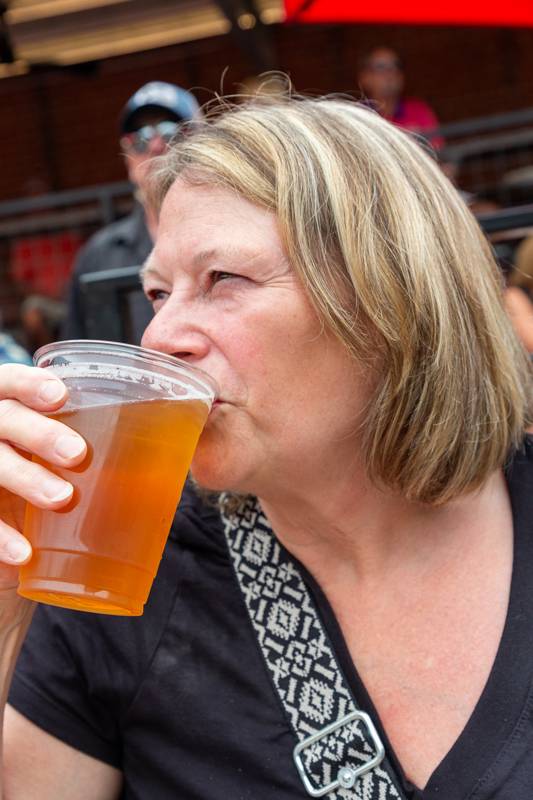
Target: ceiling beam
point(7, 56)
point(250, 33)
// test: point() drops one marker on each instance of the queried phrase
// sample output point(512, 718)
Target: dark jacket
point(125, 243)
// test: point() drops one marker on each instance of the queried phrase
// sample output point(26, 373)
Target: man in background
point(381, 80)
point(149, 120)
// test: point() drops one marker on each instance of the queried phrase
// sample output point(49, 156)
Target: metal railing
point(40, 236)
point(492, 155)
point(96, 205)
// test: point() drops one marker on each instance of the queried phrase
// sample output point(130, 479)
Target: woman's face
point(227, 301)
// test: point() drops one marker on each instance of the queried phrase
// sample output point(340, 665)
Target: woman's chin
point(219, 474)
point(218, 463)
point(208, 482)
point(210, 472)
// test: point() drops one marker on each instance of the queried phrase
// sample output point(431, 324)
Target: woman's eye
point(154, 295)
point(216, 276)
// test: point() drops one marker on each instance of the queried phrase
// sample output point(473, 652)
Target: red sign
point(517, 13)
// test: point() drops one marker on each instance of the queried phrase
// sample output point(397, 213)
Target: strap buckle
point(347, 775)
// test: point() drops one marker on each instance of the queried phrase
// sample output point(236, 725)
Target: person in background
point(42, 318)
point(381, 79)
point(267, 85)
point(519, 293)
point(149, 120)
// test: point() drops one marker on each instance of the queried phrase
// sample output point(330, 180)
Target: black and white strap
point(338, 752)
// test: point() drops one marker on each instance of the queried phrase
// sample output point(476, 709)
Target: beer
point(12, 509)
point(101, 552)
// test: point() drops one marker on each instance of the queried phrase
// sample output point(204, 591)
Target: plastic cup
point(141, 413)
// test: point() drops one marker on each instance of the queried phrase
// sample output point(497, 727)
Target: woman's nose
point(175, 337)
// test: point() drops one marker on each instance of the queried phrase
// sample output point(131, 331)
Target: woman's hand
point(25, 391)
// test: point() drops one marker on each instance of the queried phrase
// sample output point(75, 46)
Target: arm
point(520, 310)
point(35, 764)
point(15, 616)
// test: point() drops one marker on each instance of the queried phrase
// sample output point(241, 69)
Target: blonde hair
point(396, 266)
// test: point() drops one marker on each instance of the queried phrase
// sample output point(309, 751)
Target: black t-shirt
point(179, 699)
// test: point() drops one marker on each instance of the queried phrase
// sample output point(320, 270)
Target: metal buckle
point(346, 776)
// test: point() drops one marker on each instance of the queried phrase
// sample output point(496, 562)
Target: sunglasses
point(139, 141)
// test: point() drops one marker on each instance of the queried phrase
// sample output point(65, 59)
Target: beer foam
point(104, 384)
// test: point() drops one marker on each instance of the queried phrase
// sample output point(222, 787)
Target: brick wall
point(60, 125)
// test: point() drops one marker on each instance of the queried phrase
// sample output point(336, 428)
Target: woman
point(314, 260)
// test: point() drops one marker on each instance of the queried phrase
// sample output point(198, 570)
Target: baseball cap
point(159, 96)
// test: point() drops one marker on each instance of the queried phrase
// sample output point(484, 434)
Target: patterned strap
point(338, 754)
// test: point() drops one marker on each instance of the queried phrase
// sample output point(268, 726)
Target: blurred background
point(68, 67)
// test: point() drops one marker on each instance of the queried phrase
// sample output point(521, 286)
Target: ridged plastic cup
point(141, 414)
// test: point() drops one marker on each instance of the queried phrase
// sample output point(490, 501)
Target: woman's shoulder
point(520, 310)
point(517, 300)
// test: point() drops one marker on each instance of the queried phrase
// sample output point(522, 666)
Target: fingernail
point(17, 550)
point(56, 489)
point(69, 446)
point(51, 391)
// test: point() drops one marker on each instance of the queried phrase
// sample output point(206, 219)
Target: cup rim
point(102, 347)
